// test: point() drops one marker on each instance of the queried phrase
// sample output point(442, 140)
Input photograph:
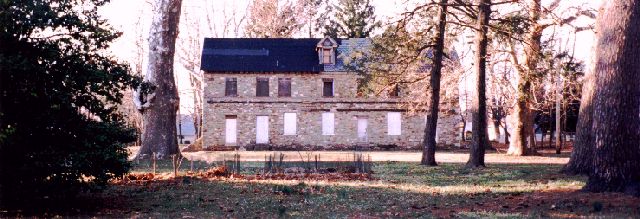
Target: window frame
point(395, 91)
point(333, 91)
point(391, 126)
point(282, 93)
point(328, 121)
point(228, 84)
point(293, 125)
point(258, 82)
point(327, 56)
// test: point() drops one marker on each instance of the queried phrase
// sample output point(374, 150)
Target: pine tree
point(480, 138)
point(429, 148)
point(352, 19)
point(60, 130)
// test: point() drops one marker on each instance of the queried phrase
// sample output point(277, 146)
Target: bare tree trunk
point(616, 103)
point(582, 154)
point(532, 52)
point(429, 150)
point(532, 132)
point(160, 136)
point(518, 143)
point(479, 107)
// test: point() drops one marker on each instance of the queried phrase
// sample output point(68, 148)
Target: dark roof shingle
point(260, 55)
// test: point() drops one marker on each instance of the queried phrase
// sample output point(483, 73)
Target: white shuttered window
point(290, 126)
point(328, 123)
point(394, 123)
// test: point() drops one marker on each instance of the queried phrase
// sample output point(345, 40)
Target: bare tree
point(189, 53)
point(159, 104)
point(275, 18)
point(128, 107)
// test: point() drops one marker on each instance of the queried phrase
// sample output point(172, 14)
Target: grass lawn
point(399, 189)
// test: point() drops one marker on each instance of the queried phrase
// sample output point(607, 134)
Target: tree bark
point(616, 103)
point(532, 44)
point(582, 154)
point(429, 150)
point(479, 107)
point(160, 138)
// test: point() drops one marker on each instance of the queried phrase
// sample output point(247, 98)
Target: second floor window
point(284, 87)
point(262, 87)
point(327, 87)
point(231, 87)
point(395, 91)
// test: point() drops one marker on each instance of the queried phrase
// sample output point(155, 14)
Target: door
point(362, 129)
point(231, 130)
point(262, 129)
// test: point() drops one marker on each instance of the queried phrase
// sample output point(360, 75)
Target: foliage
point(400, 58)
point(352, 19)
point(61, 132)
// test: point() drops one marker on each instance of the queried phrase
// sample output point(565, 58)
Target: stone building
point(297, 94)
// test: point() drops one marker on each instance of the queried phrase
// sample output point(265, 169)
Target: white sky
point(123, 14)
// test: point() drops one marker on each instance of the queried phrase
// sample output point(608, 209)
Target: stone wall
point(308, 104)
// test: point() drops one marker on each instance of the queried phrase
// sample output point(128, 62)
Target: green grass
point(402, 189)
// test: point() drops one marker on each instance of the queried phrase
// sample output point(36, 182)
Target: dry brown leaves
point(223, 173)
point(314, 176)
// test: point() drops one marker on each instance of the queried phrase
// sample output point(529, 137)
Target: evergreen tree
point(352, 19)
point(59, 128)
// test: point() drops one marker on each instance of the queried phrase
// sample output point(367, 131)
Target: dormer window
point(326, 56)
point(327, 51)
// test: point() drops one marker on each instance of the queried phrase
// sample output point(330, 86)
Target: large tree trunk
point(429, 150)
point(532, 49)
point(582, 154)
point(616, 103)
point(479, 107)
point(518, 143)
point(159, 135)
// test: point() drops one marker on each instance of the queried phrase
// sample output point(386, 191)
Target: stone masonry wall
point(308, 104)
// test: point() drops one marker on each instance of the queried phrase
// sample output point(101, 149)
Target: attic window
point(326, 56)
point(327, 51)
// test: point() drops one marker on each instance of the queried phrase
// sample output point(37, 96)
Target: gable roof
point(260, 55)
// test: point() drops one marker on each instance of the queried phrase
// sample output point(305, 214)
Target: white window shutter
point(290, 126)
point(394, 123)
point(328, 123)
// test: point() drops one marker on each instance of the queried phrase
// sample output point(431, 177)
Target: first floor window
point(231, 130)
point(290, 126)
point(394, 123)
point(328, 120)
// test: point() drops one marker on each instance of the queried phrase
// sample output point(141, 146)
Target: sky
point(124, 14)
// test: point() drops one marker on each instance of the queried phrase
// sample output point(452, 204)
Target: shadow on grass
point(402, 190)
